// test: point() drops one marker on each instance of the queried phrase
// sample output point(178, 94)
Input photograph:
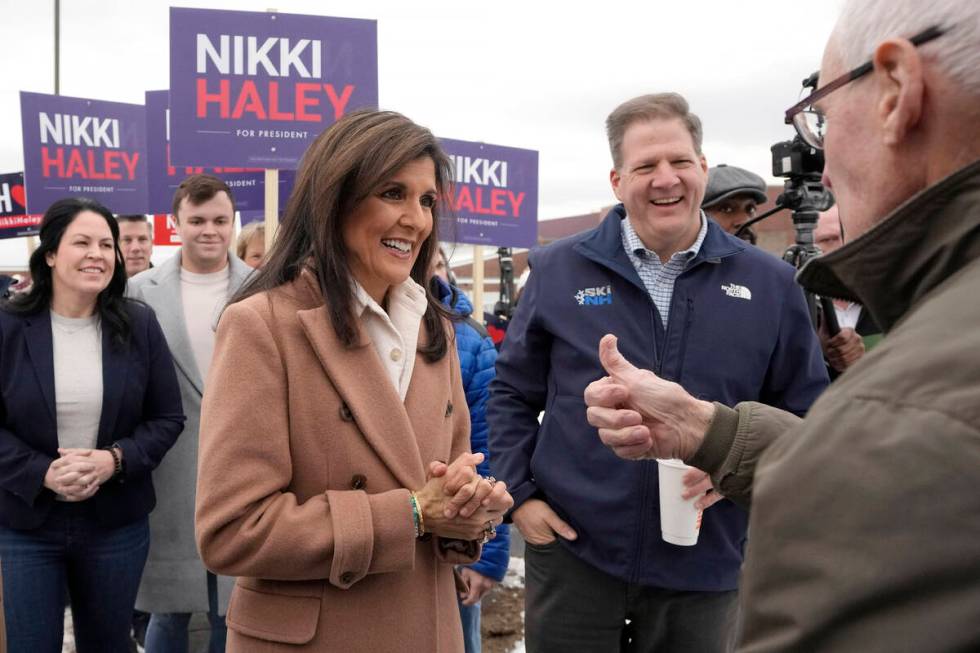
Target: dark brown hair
point(346, 164)
point(657, 106)
point(111, 302)
point(137, 218)
point(198, 189)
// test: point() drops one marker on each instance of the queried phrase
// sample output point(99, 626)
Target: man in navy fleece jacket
point(695, 305)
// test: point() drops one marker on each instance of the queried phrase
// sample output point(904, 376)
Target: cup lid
point(673, 462)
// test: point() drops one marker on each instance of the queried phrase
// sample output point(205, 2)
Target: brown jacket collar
point(895, 264)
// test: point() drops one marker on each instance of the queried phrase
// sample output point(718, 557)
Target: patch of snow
point(68, 643)
point(515, 573)
point(519, 646)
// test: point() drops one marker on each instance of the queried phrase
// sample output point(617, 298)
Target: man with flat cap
point(731, 197)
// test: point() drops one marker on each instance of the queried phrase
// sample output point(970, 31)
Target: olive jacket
point(864, 516)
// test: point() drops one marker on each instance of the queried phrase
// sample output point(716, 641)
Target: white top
point(848, 317)
point(77, 379)
point(203, 296)
point(395, 333)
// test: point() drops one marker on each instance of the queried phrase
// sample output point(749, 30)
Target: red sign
point(165, 230)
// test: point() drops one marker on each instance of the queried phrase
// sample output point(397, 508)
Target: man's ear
point(614, 180)
point(898, 78)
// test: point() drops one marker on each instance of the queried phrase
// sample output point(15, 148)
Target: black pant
point(571, 606)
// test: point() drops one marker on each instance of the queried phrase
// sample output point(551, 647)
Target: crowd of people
point(320, 448)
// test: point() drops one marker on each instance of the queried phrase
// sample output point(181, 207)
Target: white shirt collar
point(406, 296)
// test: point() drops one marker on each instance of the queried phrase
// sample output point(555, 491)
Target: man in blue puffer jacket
point(477, 357)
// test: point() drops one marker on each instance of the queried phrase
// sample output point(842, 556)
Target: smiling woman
point(385, 231)
point(323, 482)
point(101, 407)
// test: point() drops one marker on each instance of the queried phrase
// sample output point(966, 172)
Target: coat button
point(396, 355)
point(345, 413)
point(358, 482)
point(449, 409)
point(347, 577)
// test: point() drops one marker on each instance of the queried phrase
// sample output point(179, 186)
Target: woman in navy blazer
point(78, 440)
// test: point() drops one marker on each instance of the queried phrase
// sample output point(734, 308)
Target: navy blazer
point(141, 411)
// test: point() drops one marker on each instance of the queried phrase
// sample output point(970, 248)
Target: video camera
point(794, 159)
point(805, 195)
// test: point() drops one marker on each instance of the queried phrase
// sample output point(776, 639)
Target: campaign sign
point(165, 230)
point(247, 184)
point(78, 147)
point(495, 195)
point(255, 88)
point(286, 180)
point(14, 220)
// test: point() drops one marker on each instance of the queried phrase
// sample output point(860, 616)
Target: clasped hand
point(458, 503)
point(77, 474)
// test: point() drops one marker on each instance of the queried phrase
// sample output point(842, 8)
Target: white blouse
point(395, 333)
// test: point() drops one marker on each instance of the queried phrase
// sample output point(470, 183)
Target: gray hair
point(863, 24)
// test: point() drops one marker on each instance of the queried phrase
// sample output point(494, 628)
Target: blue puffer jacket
point(477, 357)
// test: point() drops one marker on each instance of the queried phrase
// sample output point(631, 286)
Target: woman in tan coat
point(335, 476)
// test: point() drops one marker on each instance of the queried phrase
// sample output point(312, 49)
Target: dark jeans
point(167, 631)
point(101, 567)
point(571, 606)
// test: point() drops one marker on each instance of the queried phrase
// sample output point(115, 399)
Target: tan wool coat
point(307, 455)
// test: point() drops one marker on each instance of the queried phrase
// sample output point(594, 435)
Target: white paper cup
point(680, 521)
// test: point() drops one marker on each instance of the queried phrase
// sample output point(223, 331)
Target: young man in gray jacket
point(188, 293)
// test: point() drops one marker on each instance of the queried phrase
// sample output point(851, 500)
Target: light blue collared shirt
point(656, 276)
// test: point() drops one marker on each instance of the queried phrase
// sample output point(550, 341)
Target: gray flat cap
point(726, 181)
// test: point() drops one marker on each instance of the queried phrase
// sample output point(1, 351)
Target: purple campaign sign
point(79, 147)
point(247, 184)
point(286, 179)
point(495, 201)
point(255, 88)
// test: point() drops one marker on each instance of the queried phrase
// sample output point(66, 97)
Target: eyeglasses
point(809, 121)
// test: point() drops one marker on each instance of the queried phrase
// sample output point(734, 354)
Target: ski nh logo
point(594, 296)
point(737, 291)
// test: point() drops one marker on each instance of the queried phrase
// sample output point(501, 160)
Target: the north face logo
point(735, 290)
point(594, 296)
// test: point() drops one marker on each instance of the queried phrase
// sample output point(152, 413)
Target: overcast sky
point(537, 75)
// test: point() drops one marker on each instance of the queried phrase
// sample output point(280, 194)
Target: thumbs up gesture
point(639, 415)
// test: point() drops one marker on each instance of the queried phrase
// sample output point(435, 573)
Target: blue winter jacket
point(477, 356)
point(739, 330)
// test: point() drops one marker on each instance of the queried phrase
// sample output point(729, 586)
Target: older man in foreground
point(864, 514)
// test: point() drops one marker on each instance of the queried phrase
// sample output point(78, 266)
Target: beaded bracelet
point(417, 516)
point(116, 460)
